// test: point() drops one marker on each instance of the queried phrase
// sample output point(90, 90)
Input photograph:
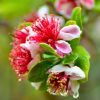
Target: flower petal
point(75, 73)
point(58, 68)
point(65, 7)
point(63, 47)
point(70, 32)
point(35, 60)
point(74, 85)
point(42, 11)
point(32, 47)
point(88, 3)
point(36, 85)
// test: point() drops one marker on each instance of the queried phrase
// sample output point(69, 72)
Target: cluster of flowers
point(65, 7)
point(26, 52)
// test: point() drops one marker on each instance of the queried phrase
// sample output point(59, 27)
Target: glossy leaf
point(76, 15)
point(48, 48)
point(69, 59)
point(39, 72)
point(74, 43)
point(83, 61)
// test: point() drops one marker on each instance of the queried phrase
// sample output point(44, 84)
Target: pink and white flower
point(48, 31)
point(63, 80)
point(65, 7)
point(43, 30)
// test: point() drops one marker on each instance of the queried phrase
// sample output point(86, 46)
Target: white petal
point(58, 68)
point(74, 85)
point(36, 85)
point(70, 32)
point(42, 11)
point(75, 73)
point(35, 60)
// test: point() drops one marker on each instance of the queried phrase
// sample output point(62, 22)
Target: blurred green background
point(12, 12)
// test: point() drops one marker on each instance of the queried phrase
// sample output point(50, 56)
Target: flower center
point(58, 83)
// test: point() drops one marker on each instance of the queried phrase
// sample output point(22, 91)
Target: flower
point(63, 80)
point(65, 7)
point(49, 32)
point(89, 4)
point(26, 49)
point(19, 59)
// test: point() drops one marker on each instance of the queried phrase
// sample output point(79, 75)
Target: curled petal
point(36, 85)
point(58, 68)
point(32, 47)
point(70, 32)
point(75, 72)
point(35, 60)
point(63, 47)
point(88, 3)
point(74, 87)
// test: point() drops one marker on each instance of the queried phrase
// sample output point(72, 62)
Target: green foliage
point(43, 86)
point(74, 43)
point(49, 57)
point(39, 72)
point(83, 60)
point(76, 15)
point(14, 8)
point(70, 22)
point(97, 5)
point(69, 59)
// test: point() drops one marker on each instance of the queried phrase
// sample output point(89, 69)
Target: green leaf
point(39, 72)
point(70, 22)
point(76, 15)
point(48, 48)
point(74, 43)
point(97, 5)
point(43, 86)
point(69, 59)
point(83, 61)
